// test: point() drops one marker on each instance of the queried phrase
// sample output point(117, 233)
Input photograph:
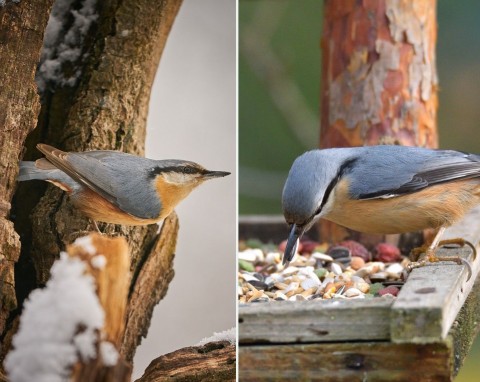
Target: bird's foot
point(415, 253)
point(95, 225)
point(71, 237)
point(430, 256)
point(458, 242)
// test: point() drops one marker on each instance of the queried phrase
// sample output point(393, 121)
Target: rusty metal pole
point(379, 78)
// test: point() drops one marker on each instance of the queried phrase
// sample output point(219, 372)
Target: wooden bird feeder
point(426, 331)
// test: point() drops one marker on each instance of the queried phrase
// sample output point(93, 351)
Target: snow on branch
point(229, 335)
point(74, 325)
point(63, 53)
point(58, 325)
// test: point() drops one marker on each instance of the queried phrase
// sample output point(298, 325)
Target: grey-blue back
point(372, 172)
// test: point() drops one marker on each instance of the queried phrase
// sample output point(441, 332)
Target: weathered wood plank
point(371, 361)
point(433, 295)
point(368, 361)
point(430, 300)
point(315, 321)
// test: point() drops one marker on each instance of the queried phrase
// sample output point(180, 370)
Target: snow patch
point(109, 353)
point(98, 261)
point(59, 325)
point(229, 335)
point(62, 46)
point(85, 242)
point(3, 2)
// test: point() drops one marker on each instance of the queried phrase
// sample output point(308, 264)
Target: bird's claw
point(458, 260)
point(462, 243)
point(95, 225)
point(469, 267)
point(430, 256)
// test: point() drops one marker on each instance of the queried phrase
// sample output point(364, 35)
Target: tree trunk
point(105, 108)
point(379, 79)
point(21, 37)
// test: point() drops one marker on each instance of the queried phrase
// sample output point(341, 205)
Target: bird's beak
point(214, 174)
point(292, 243)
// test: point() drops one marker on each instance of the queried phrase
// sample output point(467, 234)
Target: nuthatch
point(380, 189)
point(115, 187)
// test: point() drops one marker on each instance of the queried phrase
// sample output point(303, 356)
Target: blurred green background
point(279, 89)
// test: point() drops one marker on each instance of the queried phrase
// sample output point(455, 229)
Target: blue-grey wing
point(120, 178)
point(388, 171)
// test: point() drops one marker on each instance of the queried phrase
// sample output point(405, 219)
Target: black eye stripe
point(190, 170)
point(180, 169)
point(346, 166)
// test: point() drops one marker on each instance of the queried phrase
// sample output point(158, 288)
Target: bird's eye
point(188, 170)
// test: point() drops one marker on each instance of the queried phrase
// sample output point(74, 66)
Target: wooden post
point(379, 79)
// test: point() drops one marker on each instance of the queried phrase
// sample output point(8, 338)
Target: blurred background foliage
point(279, 95)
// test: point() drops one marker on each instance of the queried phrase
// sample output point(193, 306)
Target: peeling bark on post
point(379, 79)
point(21, 36)
point(106, 109)
point(379, 74)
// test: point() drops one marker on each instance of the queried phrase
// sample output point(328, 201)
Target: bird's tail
point(31, 170)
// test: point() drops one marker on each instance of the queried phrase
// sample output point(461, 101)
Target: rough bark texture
point(379, 79)
point(21, 36)
point(106, 109)
point(215, 361)
point(379, 75)
point(149, 286)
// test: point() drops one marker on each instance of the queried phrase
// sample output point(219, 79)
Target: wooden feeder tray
point(423, 334)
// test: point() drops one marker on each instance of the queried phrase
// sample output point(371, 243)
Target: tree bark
point(149, 285)
point(212, 362)
point(21, 36)
point(105, 109)
point(379, 79)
